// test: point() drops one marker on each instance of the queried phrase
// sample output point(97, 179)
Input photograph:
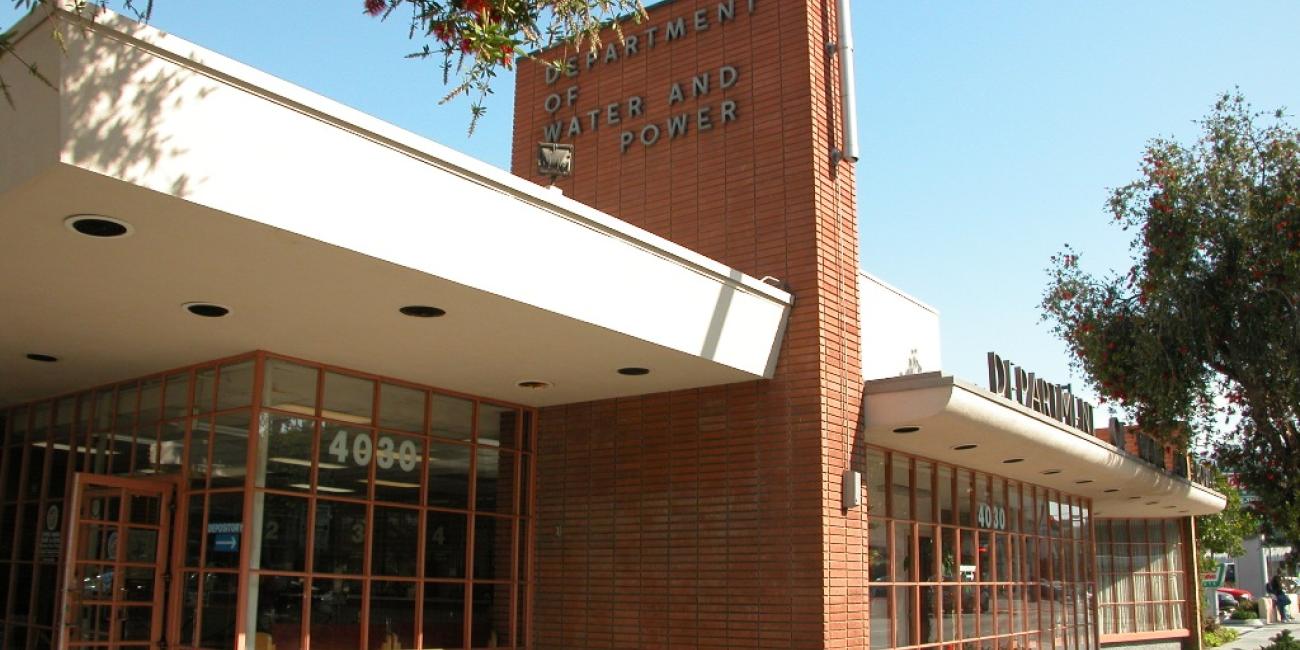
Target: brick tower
point(709, 518)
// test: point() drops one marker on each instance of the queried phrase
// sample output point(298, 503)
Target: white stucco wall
point(900, 334)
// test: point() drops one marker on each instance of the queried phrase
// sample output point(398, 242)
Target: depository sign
point(627, 118)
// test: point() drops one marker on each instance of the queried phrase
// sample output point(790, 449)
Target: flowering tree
point(1204, 328)
point(473, 39)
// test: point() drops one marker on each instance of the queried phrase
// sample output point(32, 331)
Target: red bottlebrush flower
point(441, 32)
point(477, 6)
point(375, 7)
point(466, 45)
point(1066, 294)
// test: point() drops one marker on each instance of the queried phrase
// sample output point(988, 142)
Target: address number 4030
point(386, 452)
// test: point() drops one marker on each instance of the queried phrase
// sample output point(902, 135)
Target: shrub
point(1219, 635)
point(1283, 641)
point(1247, 609)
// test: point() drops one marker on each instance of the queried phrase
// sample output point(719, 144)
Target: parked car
point(1227, 602)
point(1236, 592)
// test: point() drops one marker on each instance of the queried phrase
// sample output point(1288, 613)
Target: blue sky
point(990, 130)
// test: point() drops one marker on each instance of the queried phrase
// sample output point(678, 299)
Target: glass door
point(115, 585)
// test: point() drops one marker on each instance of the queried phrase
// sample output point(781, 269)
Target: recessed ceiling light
point(422, 311)
point(1110, 490)
point(965, 447)
point(206, 309)
point(633, 371)
point(43, 358)
point(98, 226)
point(1010, 461)
point(1049, 472)
point(1152, 503)
point(534, 384)
point(1083, 481)
point(908, 429)
point(1134, 498)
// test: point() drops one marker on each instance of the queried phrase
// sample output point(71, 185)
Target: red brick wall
point(711, 518)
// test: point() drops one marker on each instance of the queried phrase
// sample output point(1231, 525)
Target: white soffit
point(314, 223)
point(950, 413)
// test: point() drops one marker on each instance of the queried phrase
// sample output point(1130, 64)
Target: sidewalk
point(1254, 638)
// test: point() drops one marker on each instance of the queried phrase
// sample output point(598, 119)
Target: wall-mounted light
point(852, 489)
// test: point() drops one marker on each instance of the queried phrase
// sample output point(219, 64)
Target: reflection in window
point(394, 542)
point(285, 453)
point(235, 386)
point(492, 547)
point(1139, 575)
point(340, 537)
point(451, 417)
point(948, 585)
point(496, 425)
point(345, 456)
point(401, 408)
point(275, 610)
point(229, 449)
point(392, 615)
point(398, 468)
point(348, 398)
point(335, 614)
point(490, 619)
point(494, 489)
point(448, 485)
point(220, 595)
point(283, 533)
point(444, 615)
point(290, 387)
point(444, 544)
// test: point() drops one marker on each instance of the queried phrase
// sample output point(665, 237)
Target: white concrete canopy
point(951, 413)
point(314, 223)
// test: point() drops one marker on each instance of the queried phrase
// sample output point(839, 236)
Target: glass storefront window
point(340, 537)
point(924, 490)
point(394, 540)
point(392, 615)
point(445, 544)
point(900, 488)
point(235, 385)
point(448, 484)
point(398, 468)
point(282, 537)
point(225, 520)
point(285, 455)
point(1139, 573)
point(496, 425)
point(444, 615)
point(336, 613)
point(229, 452)
point(401, 408)
point(176, 395)
point(277, 611)
point(290, 387)
point(491, 616)
point(377, 509)
point(451, 417)
point(344, 459)
point(877, 487)
point(348, 398)
point(986, 575)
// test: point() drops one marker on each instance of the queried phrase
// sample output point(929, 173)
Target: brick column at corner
point(709, 518)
